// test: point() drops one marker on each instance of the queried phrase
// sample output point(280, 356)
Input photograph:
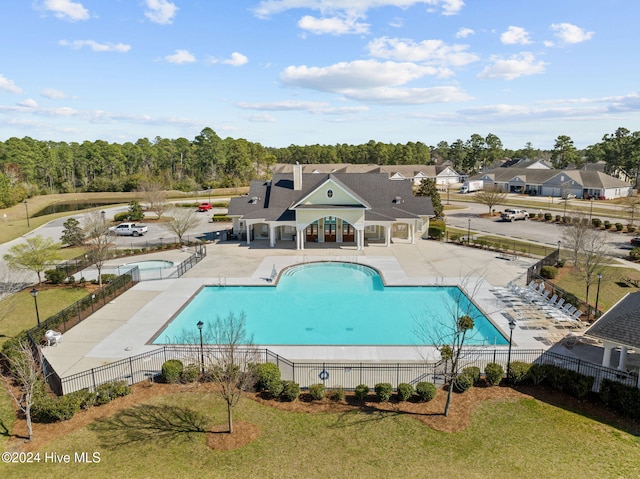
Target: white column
point(300, 238)
point(606, 356)
point(249, 228)
point(272, 235)
point(387, 235)
point(412, 232)
point(622, 362)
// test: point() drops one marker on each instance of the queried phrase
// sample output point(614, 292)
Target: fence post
point(131, 369)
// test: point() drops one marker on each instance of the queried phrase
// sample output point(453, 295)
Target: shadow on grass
point(148, 422)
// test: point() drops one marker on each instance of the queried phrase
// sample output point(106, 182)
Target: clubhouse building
point(343, 208)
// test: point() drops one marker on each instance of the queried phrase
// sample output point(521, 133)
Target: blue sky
point(283, 72)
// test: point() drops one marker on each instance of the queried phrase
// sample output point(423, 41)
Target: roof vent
point(254, 200)
point(398, 199)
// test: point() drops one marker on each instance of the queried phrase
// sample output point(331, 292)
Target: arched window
point(329, 193)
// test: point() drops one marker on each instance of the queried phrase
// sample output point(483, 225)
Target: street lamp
point(591, 210)
point(512, 326)
point(34, 292)
point(559, 243)
point(469, 232)
point(26, 207)
point(595, 316)
point(200, 324)
point(209, 195)
point(103, 214)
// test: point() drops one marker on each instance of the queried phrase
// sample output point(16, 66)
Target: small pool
point(150, 265)
point(337, 304)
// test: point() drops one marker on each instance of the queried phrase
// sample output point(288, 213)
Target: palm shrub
point(493, 373)
point(383, 391)
point(317, 391)
point(171, 371)
point(405, 391)
point(426, 391)
point(361, 391)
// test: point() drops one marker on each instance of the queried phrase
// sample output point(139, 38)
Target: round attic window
point(329, 193)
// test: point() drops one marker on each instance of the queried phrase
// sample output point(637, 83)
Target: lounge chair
point(546, 294)
point(566, 307)
point(553, 300)
point(576, 314)
point(559, 303)
point(571, 310)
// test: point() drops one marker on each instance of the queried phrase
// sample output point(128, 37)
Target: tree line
point(29, 167)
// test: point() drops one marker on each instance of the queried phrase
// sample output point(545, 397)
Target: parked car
point(635, 242)
point(128, 229)
point(204, 207)
point(512, 214)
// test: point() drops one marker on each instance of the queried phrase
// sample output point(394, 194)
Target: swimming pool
point(338, 304)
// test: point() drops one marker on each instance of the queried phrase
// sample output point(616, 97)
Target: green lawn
point(513, 438)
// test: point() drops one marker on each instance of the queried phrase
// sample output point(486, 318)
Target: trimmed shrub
point(570, 382)
point(47, 409)
point(109, 391)
point(436, 229)
point(463, 382)
point(548, 272)
point(171, 371)
point(547, 216)
point(634, 254)
point(493, 373)
point(474, 372)
point(275, 387)
point(383, 391)
point(86, 398)
point(619, 227)
point(337, 394)
point(518, 371)
point(317, 391)
point(265, 374)
point(607, 224)
point(536, 374)
point(426, 391)
point(631, 228)
point(108, 277)
point(121, 216)
point(405, 391)
point(55, 276)
point(596, 222)
point(290, 391)
point(361, 391)
point(190, 374)
point(558, 218)
point(621, 398)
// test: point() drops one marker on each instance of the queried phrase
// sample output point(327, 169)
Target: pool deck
point(125, 327)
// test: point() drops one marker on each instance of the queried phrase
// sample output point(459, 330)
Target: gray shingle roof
point(271, 200)
point(588, 179)
point(621, 324)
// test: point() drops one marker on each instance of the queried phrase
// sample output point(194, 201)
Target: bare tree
point(26, 373)
point(35, 254)
point(632, 203)
point(154, 195)
point(491, 196)
point(98, 240)
point(449, 335)
point(182, 220)
point(587, 247)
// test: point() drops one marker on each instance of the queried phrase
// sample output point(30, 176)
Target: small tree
point(182, 220)
point(428, 188)
point(25, 371)
point(154, 196)
point(72, 234)
point(34, 255)
point(98, 240)
point(233, 360)
point(491, 196)
point(135, 211)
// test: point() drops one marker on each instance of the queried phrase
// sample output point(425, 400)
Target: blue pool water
point(330, 304)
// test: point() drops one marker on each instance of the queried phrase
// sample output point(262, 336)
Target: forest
point(30, 167)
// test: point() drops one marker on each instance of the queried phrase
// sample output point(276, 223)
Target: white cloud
point(569, 33)
point(267, 8)
point(180, 56)
point(53, 94)
point(333, 25)
point(433, 52)
point(160, 11)
point(408, 96)
point(261, 118)
point(464, 32)
point(515, 36)
point(316, 107)
point(28, 103)
point(9, 85)
point(66, 10)
point(353, 75)
point(95, 46)
point(523, 64)
point(236, 60)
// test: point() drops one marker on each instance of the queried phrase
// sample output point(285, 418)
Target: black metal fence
point(347, 375)
point(549, 260)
